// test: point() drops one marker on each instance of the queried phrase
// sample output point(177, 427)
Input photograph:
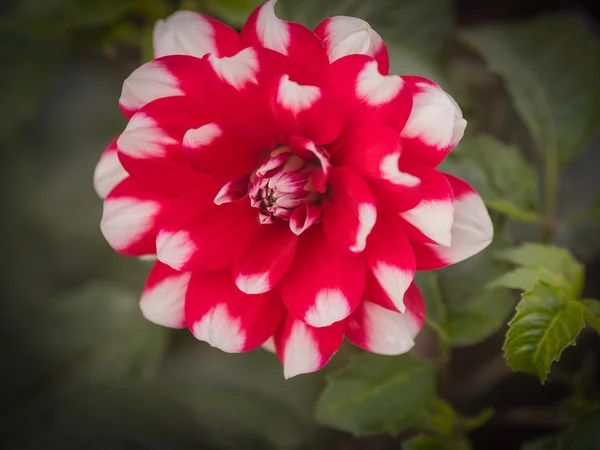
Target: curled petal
point(194, 34)
point(217, 312)
point(233, 191)
point(226, 150)
point(390, 259)
point(109, 172)
point(129, 218)
point(349, 211)
point(265, 259)
point(374, 152)
point(322, 286)
point(387, 332)
point(342, 36)
point(435, 124)
point(163, 297)
point(472, 230)
point(306, 111)
point(306, 54)
point(305, 349)
point(304, 216)
point(368, 96)
point(307, 150)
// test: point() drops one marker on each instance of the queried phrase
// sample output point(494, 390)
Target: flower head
point(287, 186)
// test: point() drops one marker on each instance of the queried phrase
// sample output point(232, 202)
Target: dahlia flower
point(287, 187)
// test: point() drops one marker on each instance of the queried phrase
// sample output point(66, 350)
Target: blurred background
point(80, 366)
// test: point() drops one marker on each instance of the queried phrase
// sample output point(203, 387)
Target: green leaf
point(525, 278)
point(426, 442)
point(557, 102)
point(500, 174)
point(592, 313)
point(544, 325)
point(559, 262)
point(377, 394)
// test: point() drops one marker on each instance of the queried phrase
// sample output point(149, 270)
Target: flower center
point(281, 184)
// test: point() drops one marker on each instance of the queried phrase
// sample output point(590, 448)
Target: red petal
point(163, 297)
point(109, 172)
point(390, 258)
point(367, 95)
point(472, 230)
point(342, 36)
point(435, 125)
point(217, 312)
point(129, 218)
point(349, 210)
point(305, 349)
point(306, 54)
point(233, 191)
point(303, 110)
point(265, 259)
point(322, 286)
point(198, 235)
point(374, 152)
point(226, 150)
point(194, 34)
point(305, 216)
point(307, 150)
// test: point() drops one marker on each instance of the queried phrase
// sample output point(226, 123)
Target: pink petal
point(380, 330)
point(431, 220)
point(374, 152)
point(306, 111)
point(109, 172)
point(163, 297)
point(349, 211)
point(198, 235)
point(367, 95)
point(435, 124)
point(226, 150)
point(322, 286)
point(305, 349)
point(265, 259)
point(163, 77)
point(342, 36)
point(217, 312)
point(194, 34)
point(305, 216)
point(306, 54)
point(472, 230)
point(390, 258)
point(129, 218)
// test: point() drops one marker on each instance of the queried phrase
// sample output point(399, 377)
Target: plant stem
point(549, 189)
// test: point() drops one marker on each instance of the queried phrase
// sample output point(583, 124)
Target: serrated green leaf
point(377, 394)
point(592, 312)
point(559, 262)
point(544, 325)
point(557, 102)
point(500, 174)
point(525, 278)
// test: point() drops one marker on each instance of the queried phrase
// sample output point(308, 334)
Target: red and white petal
point(306, 111)
point(194, 34)
point(367, 95)
point(233, 191)
point(390, 259)
point(349, 211)
point(269, 345)
point(342, 36)
point(305, 216)
point(374, 152)
point(435, 124)
point(129, 218)
point(168, 76)
point(307, 150)
point(431, 220)
point(226, 150)
point(380, 330)
point(194, 236)
point(163, 297)
point(217, 312)
point(109, 172)
point(265, 259)
point(306, 54)
point(322, 286)
point(472, 230)
point(305, 349)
